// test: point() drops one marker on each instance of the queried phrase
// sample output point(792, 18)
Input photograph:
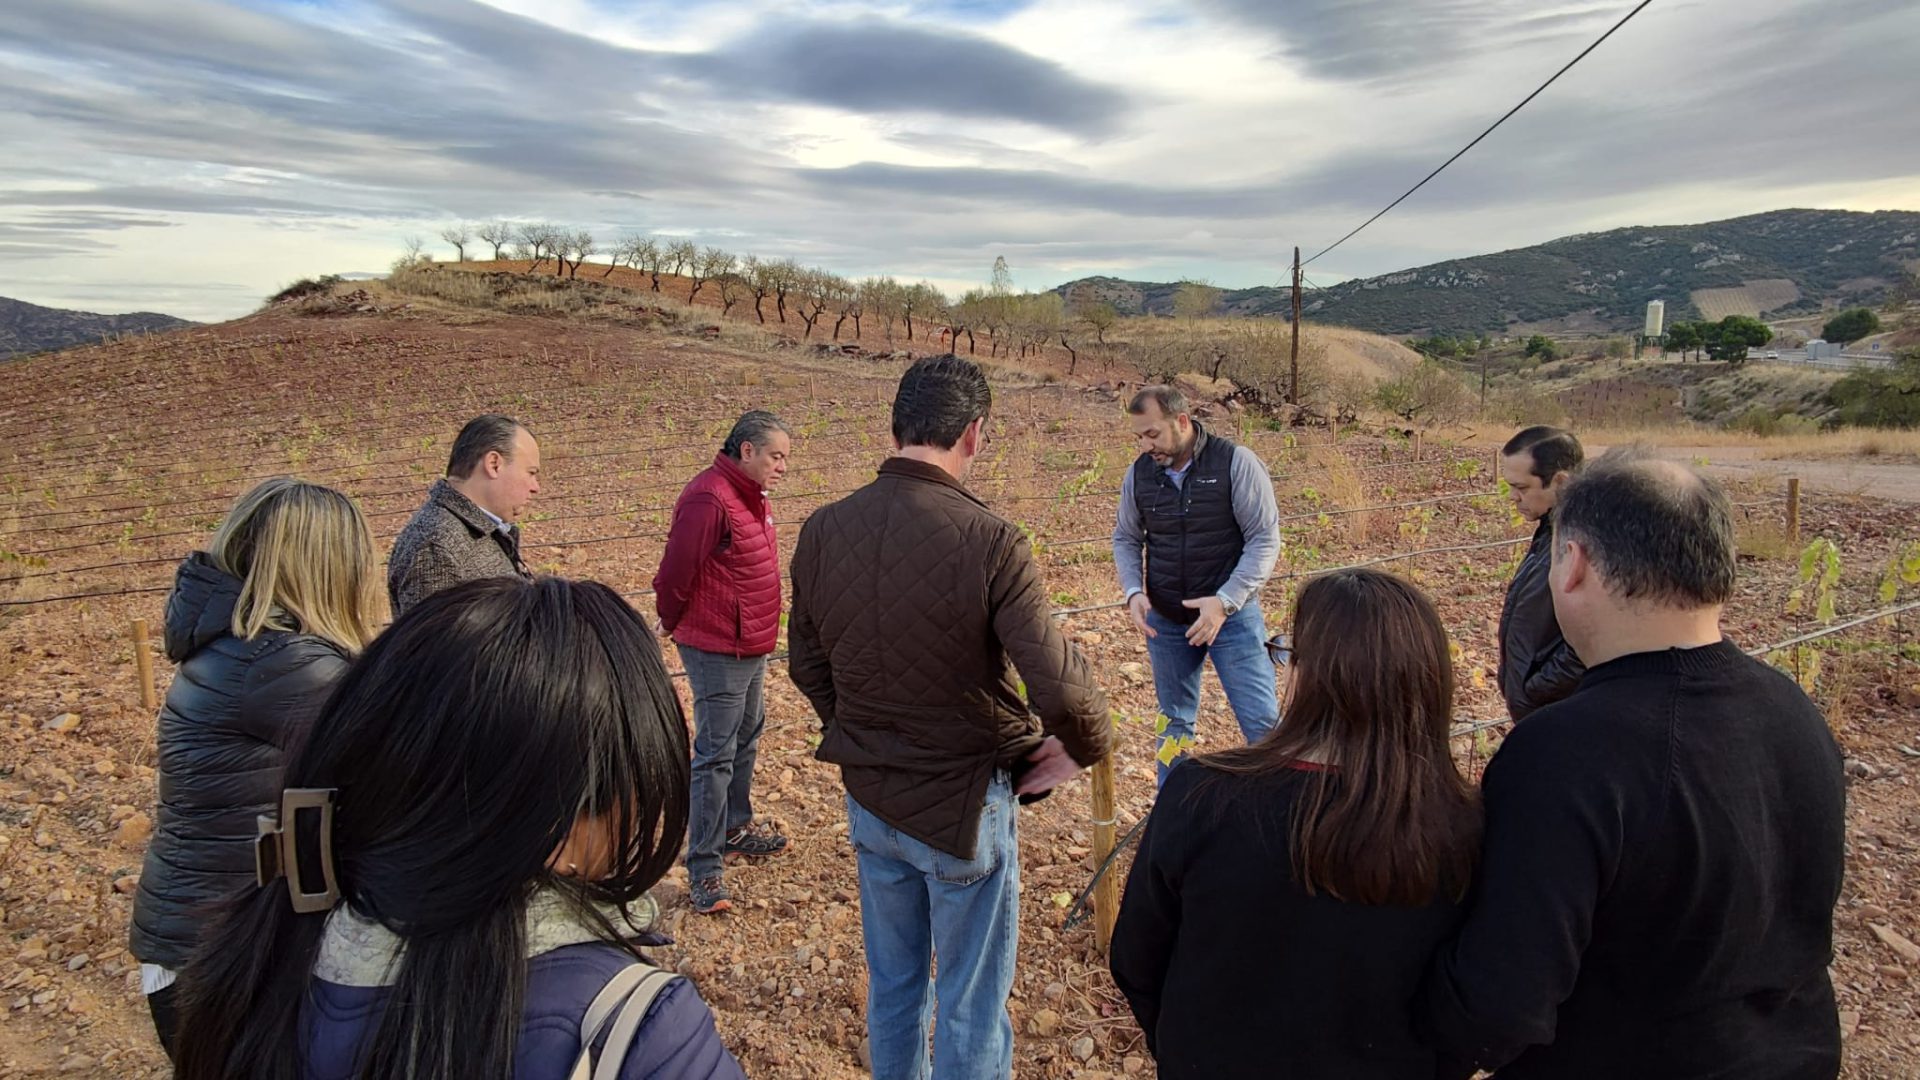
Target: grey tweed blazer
point(448, 541)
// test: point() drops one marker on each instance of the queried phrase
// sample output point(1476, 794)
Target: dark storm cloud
point(1396, 39)
point(1035, 189)
point(879, 66)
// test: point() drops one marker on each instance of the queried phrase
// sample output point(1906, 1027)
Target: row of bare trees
point(1008, 322)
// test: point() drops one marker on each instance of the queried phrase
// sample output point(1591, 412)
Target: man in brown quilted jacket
point(909, 599)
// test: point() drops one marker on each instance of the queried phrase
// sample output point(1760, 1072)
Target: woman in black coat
point(261, 624)
point(1287, 896)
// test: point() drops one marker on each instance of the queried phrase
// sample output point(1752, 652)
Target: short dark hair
point(938, 397)
point(1656, 530)
point(752, 427)
point(1171, 402)
point(1553, 451)
point(483, 435)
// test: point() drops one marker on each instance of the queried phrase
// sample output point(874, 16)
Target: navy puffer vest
point(1193, 539)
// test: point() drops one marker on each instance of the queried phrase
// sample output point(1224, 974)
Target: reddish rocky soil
point(119, 458)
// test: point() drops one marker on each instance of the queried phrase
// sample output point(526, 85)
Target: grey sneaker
point(754, 841)
point(709, 896)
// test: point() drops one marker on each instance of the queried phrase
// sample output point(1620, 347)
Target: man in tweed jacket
point(465, 531)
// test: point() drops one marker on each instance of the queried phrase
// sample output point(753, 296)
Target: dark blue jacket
point(676, 1041)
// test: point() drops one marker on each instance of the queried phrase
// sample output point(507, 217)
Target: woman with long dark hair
point(1287, 896)
point(446, 887)
point(262, 624)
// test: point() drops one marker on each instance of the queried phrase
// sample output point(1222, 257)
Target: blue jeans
point(1239, 655)
point(917, 901)
point(729, 712)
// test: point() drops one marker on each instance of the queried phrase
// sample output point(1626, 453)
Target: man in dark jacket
point(1197, 535)
point(909, 597)
point(1537, 666)
point(466, 530)
point(1663, 848)
point(718, 597)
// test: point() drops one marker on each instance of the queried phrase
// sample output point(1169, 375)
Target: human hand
point(1137, 608)
point(1052, 766)
point(1213, 613)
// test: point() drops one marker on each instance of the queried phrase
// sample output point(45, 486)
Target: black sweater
point(1234, 971)
point(1655, 899)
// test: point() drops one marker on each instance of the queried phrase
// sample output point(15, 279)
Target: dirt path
point(1899, 482)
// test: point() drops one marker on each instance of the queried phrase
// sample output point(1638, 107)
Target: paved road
point(1843, 362)
point(1899, 482)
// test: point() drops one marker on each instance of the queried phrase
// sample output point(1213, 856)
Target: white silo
point(1656, 318)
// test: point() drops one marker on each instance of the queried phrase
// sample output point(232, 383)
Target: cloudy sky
point(190, 156)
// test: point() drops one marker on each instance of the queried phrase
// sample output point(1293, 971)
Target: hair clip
point(275, 851)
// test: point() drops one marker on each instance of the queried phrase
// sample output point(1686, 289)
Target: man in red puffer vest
point(718, 596)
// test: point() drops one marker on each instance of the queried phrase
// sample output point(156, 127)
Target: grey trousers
point(729, 712)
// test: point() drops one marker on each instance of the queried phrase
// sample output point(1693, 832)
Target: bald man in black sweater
point(1663, 848)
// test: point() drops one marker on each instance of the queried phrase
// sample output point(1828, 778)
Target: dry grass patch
point(1846, 443)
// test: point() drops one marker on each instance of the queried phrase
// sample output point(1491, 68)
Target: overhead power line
point(1476, 139)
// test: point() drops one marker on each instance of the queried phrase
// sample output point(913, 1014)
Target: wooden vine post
point(1106, 896)
point(143, 663)
point(1793, 509)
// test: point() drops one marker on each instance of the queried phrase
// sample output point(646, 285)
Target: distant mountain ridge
point(1781, 263)
point(29, 328)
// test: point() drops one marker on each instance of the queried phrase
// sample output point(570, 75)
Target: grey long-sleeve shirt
point(1254, 507)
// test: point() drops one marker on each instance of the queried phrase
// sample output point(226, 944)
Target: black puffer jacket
point(1537, 666)
point(233, 712)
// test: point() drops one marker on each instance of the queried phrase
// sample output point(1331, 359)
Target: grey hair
point(753, 427)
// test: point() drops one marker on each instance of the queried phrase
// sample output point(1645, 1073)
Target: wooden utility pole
point(1793, 509)
point(1293, 366)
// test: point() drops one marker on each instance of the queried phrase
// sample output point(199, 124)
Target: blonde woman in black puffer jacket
point(262, 624)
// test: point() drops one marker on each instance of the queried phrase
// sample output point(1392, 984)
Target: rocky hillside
point(30, 328)
point(1782, 263)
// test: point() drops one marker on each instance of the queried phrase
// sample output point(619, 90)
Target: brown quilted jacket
point(909, 599)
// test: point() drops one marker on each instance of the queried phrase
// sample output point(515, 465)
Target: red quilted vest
point(735, 607)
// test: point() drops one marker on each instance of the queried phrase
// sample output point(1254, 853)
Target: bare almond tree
point(459, 236)
point(646, 257)
point(846, 305)
point(705, 266)
point(580, 244)
point(622, 251)
point(880, 296)
point(538, 239)
point(759, 280)
point(786, 278)
point(814, 292)
point(732, 287)
point(497, 233)
point(680, 256)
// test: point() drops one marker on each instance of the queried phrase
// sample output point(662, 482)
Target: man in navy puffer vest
point(1197, 535)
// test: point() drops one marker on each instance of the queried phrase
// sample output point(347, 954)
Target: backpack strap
point(624, 1001)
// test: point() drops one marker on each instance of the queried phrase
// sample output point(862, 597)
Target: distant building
point(1656, 318)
